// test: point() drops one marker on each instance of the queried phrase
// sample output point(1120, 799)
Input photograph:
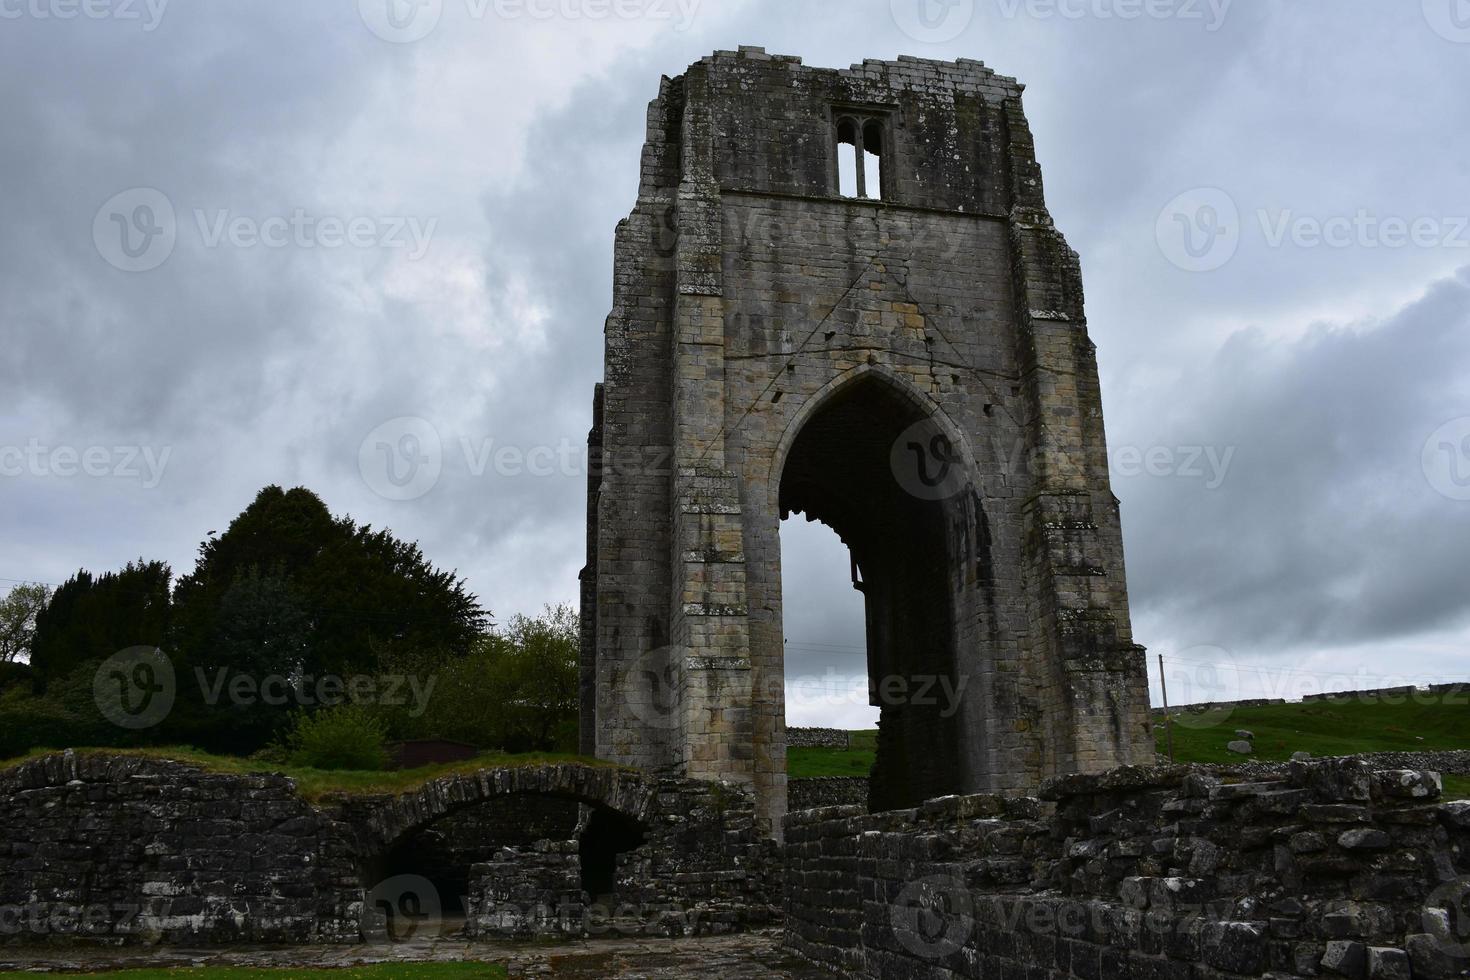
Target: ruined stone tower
point(840, 294)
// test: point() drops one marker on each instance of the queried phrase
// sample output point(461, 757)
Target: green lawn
point(856, 761)
point(382, 971)
point(1321, 728)
point(317, 783)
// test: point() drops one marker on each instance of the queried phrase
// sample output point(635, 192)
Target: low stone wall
point(1159, 873)
point(818, 738)
point(136, 849)
point(1452, 693)
point(1452, 761)
point(1401, 693)
point(524, 892)
point(823, 791)
point(1200, 707)
point(131, 849)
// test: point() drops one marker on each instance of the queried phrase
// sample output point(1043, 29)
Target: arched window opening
point(847, 158)
point(873, 159)
point(860, 152)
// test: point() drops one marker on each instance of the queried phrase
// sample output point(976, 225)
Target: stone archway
point(840, 470)
point(382, 821)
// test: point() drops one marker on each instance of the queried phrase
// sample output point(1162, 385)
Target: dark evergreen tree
point(91, 618)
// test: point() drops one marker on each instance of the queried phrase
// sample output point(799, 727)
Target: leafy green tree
point(90, 619)
point(18, 612)
point(538, 667)
point(516, 691)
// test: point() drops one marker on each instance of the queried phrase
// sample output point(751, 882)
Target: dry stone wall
point(135, 849)
point(818, 738)
point(131, 849)
point(1330, 869)
point(823, 791)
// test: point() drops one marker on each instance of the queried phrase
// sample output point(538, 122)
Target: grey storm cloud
point(514, 147)
point(1325, 526)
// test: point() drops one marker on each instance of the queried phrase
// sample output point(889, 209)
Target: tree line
point(288, 598)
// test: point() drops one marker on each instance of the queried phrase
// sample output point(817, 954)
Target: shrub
point(515, 691)
point(345, 737)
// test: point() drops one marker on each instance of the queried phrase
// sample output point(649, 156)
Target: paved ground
point(751, 956)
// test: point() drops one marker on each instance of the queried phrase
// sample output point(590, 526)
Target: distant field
point(857, 761)
point(384, 971)
point(1319, 728)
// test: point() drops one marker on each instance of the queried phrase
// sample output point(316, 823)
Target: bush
point(66, 716)
point(516, 690)
point(345, 737)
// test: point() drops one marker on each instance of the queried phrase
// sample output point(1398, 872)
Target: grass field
point(383, 971)
point(317, 783)
point(805, 763)
point(1319, 728)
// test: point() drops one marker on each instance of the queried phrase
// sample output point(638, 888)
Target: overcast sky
point(242, 243)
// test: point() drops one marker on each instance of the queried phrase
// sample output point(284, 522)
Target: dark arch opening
point(445, 850)
point(842, 470)
point(607, 835)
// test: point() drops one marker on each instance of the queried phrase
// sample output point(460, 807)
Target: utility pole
point(1168, 720)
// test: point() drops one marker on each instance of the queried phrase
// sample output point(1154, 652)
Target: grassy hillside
point(1320, 728)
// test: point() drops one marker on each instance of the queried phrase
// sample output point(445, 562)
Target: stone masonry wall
point(818, 738)
point(1332, 869)
point(150, 851)
point(824, 791)
point(131, 849)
